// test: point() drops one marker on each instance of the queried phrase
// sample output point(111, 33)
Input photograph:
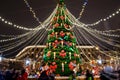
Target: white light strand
point(15, 25)
point(46, 23)
point(90, 38)
point(76, 22)
point(102, 33)
point(86, 38)
point(96, 36)
point(26, 39)
point(14, 38)
point(32, 11)
point(29, 29)
point(92, 43)
point(104, 19)
point(117, 30)
point(35, 41)
point(81, 40)
point(83, 8)
point(82, 49)
point(34, 38)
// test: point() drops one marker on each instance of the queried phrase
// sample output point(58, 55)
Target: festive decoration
point(53, 66)
point(62, 34)
point(63, 67)
point(63, 55)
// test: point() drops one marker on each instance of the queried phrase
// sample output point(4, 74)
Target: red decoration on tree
point(75, 55)
point(49, 53)
point(62, 34)
point(56, 42)
point(53, 66)
point(56, 25)
point(55, 18)
point(52, 34)
point(66, 26)
point(53, 44)
point(71, 66)
point(62, 53)
point(62, 17)
point(71, 36)
point(70, 44)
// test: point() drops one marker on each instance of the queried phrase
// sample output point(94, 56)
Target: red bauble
point(62, 53)
point(66, 26)
point(55, 18)
point(70, 44)
point(71, 66)
point(53, 67)
point(62, 34)
point(71, 36)
point(53, 44)
point(56, 42)
point(49, 53)
point(56, 25)
point(62, 17)
point(52, 34)
point(75, 55)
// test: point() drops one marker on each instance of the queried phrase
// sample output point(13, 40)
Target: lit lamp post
point(0, 56)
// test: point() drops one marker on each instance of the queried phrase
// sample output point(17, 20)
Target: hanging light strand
point(17, 26)
point(83, 9)
point(93, 42)
point(32, 11)
point(104, 19)
point(76, 22)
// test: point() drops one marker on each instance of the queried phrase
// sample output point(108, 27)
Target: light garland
point(83, 8)
point(92, 43)
point(98, 43)
point(17, 26)
point(104, 19)
point(102, 32)
point(32, 11)
point(14, 38)
point(82, 49)
point(96, 36)
point(76, 22)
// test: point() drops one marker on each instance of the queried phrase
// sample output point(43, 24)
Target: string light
point(83, 8)
point(104, 19)
point(32, 11)
point(76, 22)
point(16, 26)
point(88, 38)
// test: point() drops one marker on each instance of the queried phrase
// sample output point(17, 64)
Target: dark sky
point(17, 12)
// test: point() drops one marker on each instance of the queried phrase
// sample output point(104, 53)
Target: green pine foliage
point(61, 43)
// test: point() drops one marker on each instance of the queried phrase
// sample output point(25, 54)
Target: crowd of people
point(108, 72)
point(13, 74)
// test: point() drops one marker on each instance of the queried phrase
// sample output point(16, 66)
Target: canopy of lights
point(86, 34)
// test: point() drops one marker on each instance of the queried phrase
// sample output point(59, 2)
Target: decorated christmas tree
point(61, 53)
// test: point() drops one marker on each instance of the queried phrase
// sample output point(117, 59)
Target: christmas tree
point(61, 53)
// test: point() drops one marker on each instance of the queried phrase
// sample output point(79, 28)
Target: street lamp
point(0, 56)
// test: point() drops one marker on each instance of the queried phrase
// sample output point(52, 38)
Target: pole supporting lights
point(0, 56)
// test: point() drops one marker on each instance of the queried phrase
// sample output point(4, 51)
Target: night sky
point(17, 12)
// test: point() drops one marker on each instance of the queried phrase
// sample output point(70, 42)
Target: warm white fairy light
point(78, 23)
point(104, 19)
point(89, 39)
point(32, 11)
point(83, 8)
